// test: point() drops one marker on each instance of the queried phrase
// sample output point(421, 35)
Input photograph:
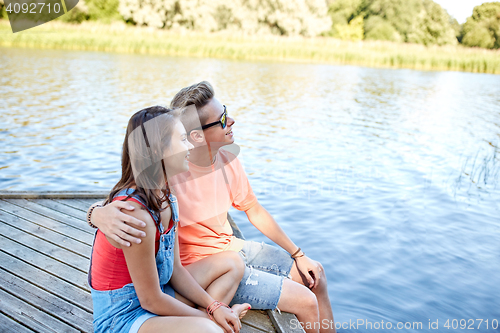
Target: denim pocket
point(165, 270)
point(116, 317)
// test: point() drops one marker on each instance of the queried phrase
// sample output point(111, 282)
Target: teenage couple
point(165, 258)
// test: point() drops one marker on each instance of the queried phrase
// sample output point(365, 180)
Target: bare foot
point(241, 309)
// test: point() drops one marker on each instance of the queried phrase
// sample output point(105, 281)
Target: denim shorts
point(120, 310)
point(266, 267)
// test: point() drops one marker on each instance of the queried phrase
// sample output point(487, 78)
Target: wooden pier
point(45, 246)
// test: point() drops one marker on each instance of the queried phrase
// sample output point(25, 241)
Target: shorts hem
point(260, 303)
point(266, 269)
point(139, 321)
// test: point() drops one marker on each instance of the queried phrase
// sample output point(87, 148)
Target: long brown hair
point(149, 132)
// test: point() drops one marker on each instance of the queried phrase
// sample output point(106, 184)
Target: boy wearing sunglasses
point(273, 278)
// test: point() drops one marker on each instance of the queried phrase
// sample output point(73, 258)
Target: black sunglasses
point(222, 121)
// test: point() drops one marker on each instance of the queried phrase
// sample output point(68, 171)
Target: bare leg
point(321, 293)
point(162, 324)
point(299, 300)
point(220, 274)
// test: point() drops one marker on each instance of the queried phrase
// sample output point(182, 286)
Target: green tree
point(401, 14)
point(95, 10)
point(3, 13)
point(376, 28)
point(417, 21)
point(482, 29)
point(283, 17)
point(78, 14)
point(352, 31)
point(343, 11)
point(103, 10)
point(457, 27)
point(432, 26)
point(347, 23)
point(414, 21)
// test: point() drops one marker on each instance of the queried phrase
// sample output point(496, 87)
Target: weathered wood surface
point(52, 194)
point(284, 322)
point(45, 246)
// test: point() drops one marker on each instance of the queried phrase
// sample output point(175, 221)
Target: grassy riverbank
point(128, 39)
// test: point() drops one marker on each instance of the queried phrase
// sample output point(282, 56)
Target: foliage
point(78, 14)
point(103, 10)
point(119, 37)
point(414, 21)
point(3, 13)
point(94, 10)
point(400, 14)
point(346, 25)
point(432, 26)
point(417, 21)
point(343, 11)
point(292, 17)
point(479, 36)
point(376, 28)
point(483, 27)
point(457, 27)
point(352, 31)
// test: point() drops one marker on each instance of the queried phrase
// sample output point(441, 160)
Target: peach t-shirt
point(205, 195)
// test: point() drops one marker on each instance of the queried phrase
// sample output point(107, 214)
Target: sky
point(460, 9)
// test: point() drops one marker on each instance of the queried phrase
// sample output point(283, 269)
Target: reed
point(481, 171)
point(119, 37)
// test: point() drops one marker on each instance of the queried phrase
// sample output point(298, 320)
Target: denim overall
point(119, 310)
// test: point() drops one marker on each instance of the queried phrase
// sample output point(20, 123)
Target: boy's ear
point(197, 136)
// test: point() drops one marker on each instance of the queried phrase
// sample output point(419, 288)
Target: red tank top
point(108, 268)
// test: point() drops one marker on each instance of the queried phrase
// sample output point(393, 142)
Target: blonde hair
point(198, 94)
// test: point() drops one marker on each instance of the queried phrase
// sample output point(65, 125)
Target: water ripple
point(370, 171)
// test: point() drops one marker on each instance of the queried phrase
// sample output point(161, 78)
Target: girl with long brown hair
point(144, 288)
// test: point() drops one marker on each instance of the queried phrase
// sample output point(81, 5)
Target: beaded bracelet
point(214, 306)
point(89, 214)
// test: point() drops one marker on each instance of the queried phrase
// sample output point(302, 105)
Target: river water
point(389, 178)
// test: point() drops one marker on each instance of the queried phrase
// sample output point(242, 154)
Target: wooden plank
point(31, 316)
point(259, 320)
point(250, 329)
point(10, 325)
point(46, 234)
point(84, 231)
point(46, 302)
point(55, 278)
point(46, 281)
point(42, 261)
point(61, 208)
point(74, 203)
point(52, 194)
point(283, 322)
point(90, 202)
point(72, 259)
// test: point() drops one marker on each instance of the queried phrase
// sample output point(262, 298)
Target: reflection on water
point(388, 177)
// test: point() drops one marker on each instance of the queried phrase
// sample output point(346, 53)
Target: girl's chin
point(179, 169)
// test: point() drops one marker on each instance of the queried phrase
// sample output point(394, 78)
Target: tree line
point(414, 21)
point(410, 21)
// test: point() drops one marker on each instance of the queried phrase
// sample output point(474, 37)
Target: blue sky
point(460, 9)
